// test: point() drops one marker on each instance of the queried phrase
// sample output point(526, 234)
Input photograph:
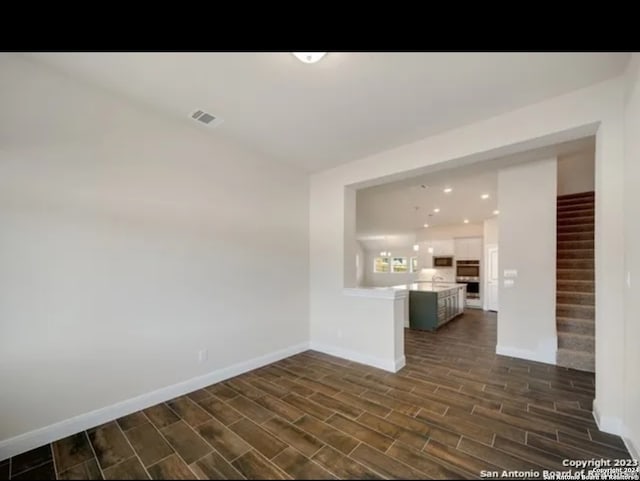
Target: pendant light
point(385, 253)
point(416, 246)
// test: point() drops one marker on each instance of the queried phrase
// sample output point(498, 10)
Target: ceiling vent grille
point(206, 118)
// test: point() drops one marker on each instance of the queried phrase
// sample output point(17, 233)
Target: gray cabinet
point(430, 310)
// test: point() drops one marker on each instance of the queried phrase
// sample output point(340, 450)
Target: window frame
point(413, 260)
point(375, 264)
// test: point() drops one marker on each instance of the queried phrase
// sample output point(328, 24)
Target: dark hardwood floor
point(455, 410)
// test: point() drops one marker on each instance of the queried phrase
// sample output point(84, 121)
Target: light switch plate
point(510, 273)
point(509, 283)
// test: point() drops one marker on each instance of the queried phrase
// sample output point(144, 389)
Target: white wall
point(129, 242)
point(576, 172)
point(490, 236)
point(448, 232)
point(595, 109)
point(527, 240)
point(490, 231)
point(632, 257)
point(360, 264)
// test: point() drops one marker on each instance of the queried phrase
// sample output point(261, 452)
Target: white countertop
point(429, 286)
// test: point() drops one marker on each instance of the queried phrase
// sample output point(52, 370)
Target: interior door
point(492, 278)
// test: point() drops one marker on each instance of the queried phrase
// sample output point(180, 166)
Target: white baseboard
point(632, 447)
point(38, 437)
point(386, 364)
point(608, 424)
point(400, 363)
point(545, 353)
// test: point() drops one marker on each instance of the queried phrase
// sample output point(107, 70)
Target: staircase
point(575, 288)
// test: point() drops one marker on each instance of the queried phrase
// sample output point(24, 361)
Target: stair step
point(581, 298)
point(561, 208)
point(576, 342)
point(575, 274)
point(582, 361)
point(574, 236)
point(563, 253)
point(568, 220)
point(574, 228)
point(578, 195)
point(575, 244)
point(576, 326)
point(578, 286)
point(586, 212)
point(573, 202)
point(575, 263)
point(576, 311)
point(563, 200)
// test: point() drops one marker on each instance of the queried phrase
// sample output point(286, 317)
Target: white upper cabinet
point(468, 248)
point(444, 247)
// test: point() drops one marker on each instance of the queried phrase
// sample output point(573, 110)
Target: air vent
point(206, 118)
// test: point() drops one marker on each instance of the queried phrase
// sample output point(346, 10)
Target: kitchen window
point(399, 264)
point(381, 264)
point(396, 265)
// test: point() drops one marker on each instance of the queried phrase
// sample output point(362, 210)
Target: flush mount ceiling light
point(496, 212)
point(426, 225)
point(436, 210)
point(466, 221)
point(309, 57)
point(484, 196)
point(447, 190)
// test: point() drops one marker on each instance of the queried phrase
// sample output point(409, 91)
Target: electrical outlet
point(510, 273)
point(508, 283)
point(203, 355)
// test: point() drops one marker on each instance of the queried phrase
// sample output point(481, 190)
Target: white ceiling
point(348, 105)
point(389, 209)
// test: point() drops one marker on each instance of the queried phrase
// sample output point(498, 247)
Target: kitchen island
point(433, 304)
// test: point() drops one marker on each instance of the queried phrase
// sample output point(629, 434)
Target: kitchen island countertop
point(429, 286)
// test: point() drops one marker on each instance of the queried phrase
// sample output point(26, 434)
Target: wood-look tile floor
point(455, 409)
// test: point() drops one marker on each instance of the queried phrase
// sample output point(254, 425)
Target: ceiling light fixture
point(447, 190)
point(309, 57)
point(426, 225)
point(416, 246)
point(387, 252)
point(496, 212)
point(466, 221)
point(484, 196)
point(436, 210)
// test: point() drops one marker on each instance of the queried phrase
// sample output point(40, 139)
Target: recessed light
point(484, 196)
point(436, 210)
point(447, 190)
point(466, 221)
point(426, 225)
point(424, 186)
point(496, 212)
point(309, 57)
